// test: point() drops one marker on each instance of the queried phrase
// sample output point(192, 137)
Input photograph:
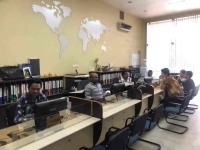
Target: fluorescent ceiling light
point(175, 1)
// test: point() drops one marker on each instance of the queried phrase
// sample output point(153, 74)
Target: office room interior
point(99, 74)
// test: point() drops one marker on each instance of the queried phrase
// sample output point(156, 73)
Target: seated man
point(172, 87)
point(181, 78)
point(125, 77)
point(150, 74)
point(170, 84)
point(189, 83)
point(93, 90)
point(26, 104)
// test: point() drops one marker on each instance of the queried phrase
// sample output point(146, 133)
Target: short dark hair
point(165, 71)
point(150, 71)
point(189, 73)
point(182, 71)
point(123, 73)
point(34, 81)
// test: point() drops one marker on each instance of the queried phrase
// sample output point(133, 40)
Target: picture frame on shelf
point(27, 72)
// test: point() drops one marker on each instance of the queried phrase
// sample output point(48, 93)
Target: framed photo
point(27, 72)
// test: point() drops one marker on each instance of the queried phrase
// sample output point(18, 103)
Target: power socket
point(75, 66)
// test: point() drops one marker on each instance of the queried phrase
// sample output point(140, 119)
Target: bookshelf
point(107, 78)
point(12, 90)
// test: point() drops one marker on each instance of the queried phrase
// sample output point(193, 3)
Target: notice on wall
point(135, 59)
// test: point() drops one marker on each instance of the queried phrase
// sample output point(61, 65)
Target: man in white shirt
point(125, 77)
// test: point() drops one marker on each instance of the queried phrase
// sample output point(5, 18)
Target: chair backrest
point(118, 140)
point(187, 99)
point(157, 112)
point(10, 113)
point(138, 124)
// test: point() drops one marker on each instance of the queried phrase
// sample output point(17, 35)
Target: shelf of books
point(110, 77)
point(11, 91)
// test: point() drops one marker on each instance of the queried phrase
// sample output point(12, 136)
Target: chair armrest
point(113, 128)
point(130, 118)
point(84, 148)
point(179, 97)
point(149, 109)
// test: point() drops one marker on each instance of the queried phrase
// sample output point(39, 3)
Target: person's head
point(165, 72)
point(94, 78)
point(150, 73)
point(188, 74)
point(125, 75)
point(34, 87)
point(182, 73)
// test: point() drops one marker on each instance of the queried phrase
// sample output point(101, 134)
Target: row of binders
point(11, 93)
point(109, 78)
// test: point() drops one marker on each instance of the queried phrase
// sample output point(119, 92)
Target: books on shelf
point(12, 91)
point(109, 78)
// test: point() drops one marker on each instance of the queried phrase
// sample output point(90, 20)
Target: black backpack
point(11, 73)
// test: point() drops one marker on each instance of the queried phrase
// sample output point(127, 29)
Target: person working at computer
point(125, 77)
point(181, 77)
point(26, 104)
point(189, 83)
point(93, 90)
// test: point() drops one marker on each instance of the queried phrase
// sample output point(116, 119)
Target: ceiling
point(148, 9)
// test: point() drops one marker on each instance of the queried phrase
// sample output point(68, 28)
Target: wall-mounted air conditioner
point(124, 27)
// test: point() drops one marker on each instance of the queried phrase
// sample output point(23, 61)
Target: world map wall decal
point(54, 15)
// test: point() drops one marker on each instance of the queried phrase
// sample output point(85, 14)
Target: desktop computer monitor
point(117, 88)
point(148, 80)
point(50, 107)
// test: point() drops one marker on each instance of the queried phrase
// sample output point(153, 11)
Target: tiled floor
point(172, 141)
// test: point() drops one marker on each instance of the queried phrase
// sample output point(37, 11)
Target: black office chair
point(114, 140)
point(10, 113)
point(192, 109)
point(177, 108)
point(136, 126)
point(154, 116)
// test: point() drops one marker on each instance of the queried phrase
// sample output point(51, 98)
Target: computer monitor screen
point(148, 80)
point(117, 88)
point(50, 107)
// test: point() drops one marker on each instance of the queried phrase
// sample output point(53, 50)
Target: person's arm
point(163, 86)
point(19, 112)
point(87, 92)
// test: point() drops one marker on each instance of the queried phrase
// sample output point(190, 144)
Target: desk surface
point(45, 137)
point(146, 96)
point(113, 108)
point(157, 90)
point(60, 135)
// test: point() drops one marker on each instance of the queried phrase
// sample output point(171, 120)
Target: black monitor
point(148, 80)
point(117, 88)
point(50, 107)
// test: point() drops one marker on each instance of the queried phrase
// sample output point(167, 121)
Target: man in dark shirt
point(189, 83)
point(25, 109)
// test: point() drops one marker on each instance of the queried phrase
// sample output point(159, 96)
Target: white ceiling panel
point(147, 9)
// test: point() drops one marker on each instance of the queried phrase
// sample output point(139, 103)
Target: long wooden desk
point(81, 133)
point(48, 136)
point(116, 109)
